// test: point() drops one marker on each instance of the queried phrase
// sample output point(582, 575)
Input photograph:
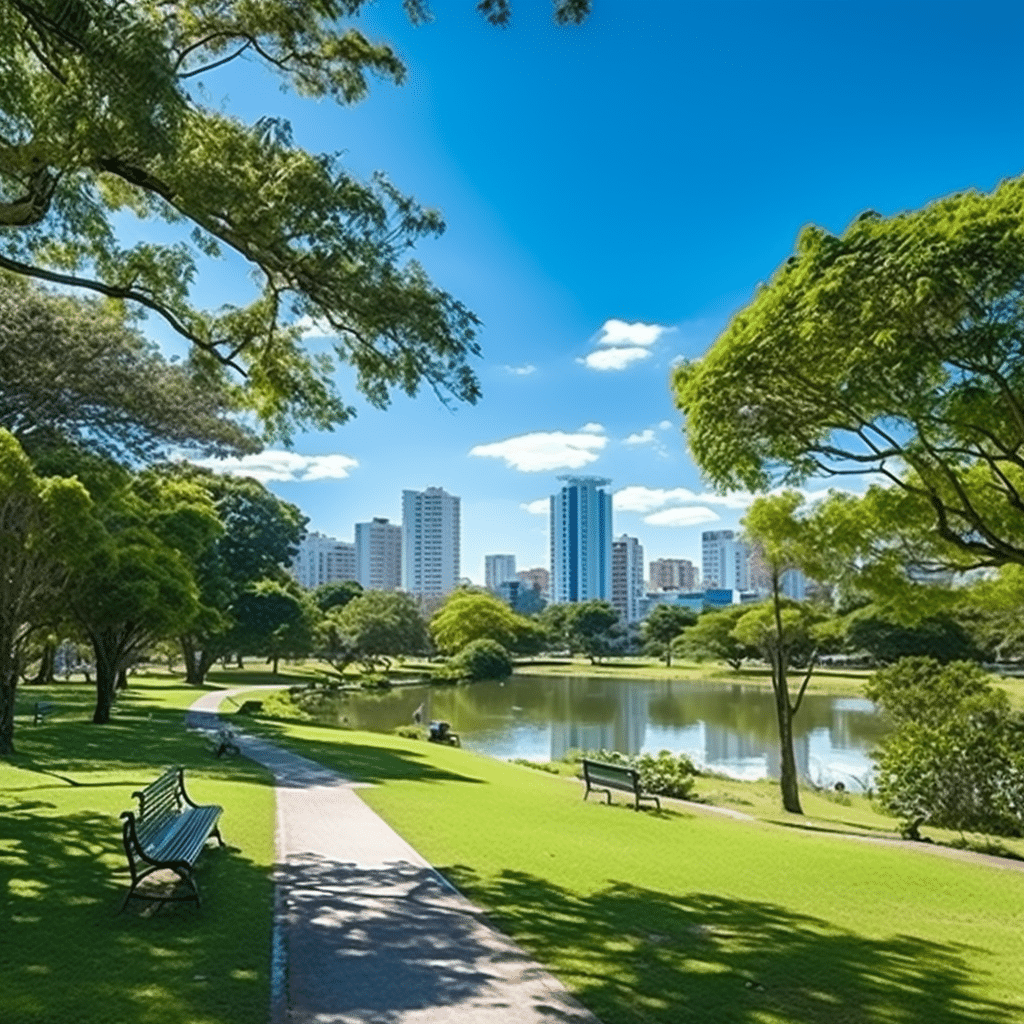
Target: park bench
point(168, 833)
point(42, 710)
point(606, 777)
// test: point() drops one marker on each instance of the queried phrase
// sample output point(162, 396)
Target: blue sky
point(614, 192)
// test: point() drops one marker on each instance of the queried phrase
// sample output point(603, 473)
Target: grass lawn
point(66, 955)
point(683, 916)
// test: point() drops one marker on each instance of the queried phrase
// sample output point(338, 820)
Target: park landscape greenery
point(893, 349)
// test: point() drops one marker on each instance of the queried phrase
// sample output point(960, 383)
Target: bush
point(956, 756)
point(664, 773)
point(481, 659)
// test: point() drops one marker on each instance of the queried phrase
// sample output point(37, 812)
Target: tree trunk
point(788, 777)
point(47, 661)
point(107, 651)
point(8, 692)
point(198, 660)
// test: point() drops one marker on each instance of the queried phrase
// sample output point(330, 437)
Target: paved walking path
point(366, 932)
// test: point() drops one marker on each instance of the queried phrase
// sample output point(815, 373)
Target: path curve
point(366, 931)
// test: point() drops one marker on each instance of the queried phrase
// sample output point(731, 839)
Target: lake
point(726, 728)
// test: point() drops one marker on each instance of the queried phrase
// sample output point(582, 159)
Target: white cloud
point(691, 515)
point(522, 371)
point(281, 465)
point(614, 358)
point(540, 507)
point(644, 437)
point(540, 451)
point(591, 428)
point(666, 425)
point(647, 499)
point(619, 333)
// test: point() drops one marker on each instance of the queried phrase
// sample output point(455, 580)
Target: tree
point(135, 584)
point(887, 639)
point(712, 636)
point(336, 595)
point(785, 540)
point(104, 111)
point(44, 524)
point(380, 625)
point(274, 620)
point(892, 349)
point(663, 625)
point(593, 629)
point(469, 615)
point(956, 756)
point(75, 370)
point(259, 537)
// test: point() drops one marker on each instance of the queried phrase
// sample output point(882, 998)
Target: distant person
point(417, 715)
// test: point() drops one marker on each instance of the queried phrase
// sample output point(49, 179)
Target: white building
point(724, 561)
point(430, 542)
point(379, 555)
point(321, 559)
point(673, 574)
point(628, 578)
point(498, 569)
point(581, 541)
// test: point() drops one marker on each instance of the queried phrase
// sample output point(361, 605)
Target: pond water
point(727, 728)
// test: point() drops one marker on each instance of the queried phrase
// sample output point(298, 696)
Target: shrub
point(956, 756)
point(481, 659)
point(664, 773)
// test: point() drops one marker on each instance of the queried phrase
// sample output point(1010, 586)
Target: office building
point(581, 541)
point(628, 578)
point(498, 569)
point(539, 579)
point(430, 542)
point(725, 560)
point(321, 559)
point(673, 574)
point(379, 555)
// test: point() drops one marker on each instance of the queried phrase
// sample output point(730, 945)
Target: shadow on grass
point(135, 740)
point(636, 954)
point(68, 955)
point(359, 761)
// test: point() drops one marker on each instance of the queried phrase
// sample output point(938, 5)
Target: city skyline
point(604, 225)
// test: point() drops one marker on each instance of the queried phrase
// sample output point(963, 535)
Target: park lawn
point(685, 916)
point(66, 954)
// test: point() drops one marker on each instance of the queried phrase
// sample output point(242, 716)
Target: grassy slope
point(66, 954)
point(686, 917)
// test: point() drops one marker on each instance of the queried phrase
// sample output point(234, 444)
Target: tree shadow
point(632, 953)
point(378, 943)
point(69, 956)
point(362, 762)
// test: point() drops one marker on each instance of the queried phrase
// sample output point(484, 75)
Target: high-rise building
point(673, 574)
point(539, 579)
point(792, 582)
point(724, 561)
point(321, 559)
point(581, 540)
point(379, 554)
point(430, 542)
point(627, 577)
point(498, 569)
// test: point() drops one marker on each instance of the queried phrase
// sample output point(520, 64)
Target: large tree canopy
point(895, 349)
point(73, 370)
point(110, 108)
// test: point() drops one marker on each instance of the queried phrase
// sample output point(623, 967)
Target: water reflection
point(726, 728)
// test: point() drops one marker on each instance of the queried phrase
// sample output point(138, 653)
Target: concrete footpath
point(366, 932)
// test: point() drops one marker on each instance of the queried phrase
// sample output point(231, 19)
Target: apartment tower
point(430, 542)
point(581, 540)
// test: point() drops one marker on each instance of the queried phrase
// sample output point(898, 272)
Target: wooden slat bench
point(606, 777)
point(168, 833)
point(42, 710)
